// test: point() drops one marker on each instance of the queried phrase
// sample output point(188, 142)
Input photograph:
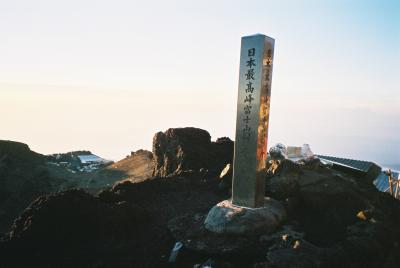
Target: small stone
point(361, 216)
point(226, 176)
point(296, 244)
point(364, 215)
point(225, 171)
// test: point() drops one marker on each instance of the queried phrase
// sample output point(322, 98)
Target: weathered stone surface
point(227, 218)
point(189, 149)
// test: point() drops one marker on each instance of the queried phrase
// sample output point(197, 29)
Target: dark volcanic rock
point(168, 198)
point(326, 201)
point(289, 249)
point(73, 217)
point(191, 231)
point(344, 214)
point(58, 227)
point(189, 149)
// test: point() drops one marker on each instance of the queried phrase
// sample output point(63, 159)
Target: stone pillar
point(256, 61)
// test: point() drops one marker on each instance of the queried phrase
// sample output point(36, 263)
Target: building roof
point(382, 181)
point(363, 166)
point(90, 158)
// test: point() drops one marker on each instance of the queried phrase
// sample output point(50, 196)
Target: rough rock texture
point(189, 149)
point(229, 219)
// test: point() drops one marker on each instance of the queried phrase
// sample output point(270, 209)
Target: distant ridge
point(138, 166)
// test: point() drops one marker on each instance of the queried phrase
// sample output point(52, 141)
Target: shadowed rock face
point(189, 149)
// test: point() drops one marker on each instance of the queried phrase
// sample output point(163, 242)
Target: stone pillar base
point(226, 218)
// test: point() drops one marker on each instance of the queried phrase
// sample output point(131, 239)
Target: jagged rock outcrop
point(189, 149)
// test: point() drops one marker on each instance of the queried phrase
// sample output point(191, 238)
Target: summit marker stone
point(249, 211)
point(256, 62)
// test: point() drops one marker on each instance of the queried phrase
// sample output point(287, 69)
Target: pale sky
point(107, 75)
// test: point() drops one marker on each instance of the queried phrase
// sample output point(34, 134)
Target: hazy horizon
point(106, 77)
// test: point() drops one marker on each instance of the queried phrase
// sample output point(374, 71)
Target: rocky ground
point(334, 219)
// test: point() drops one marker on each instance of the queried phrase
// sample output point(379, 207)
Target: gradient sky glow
point(106, 75)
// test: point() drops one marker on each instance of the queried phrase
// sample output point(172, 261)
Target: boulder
point(230, 219)
point(179, 150)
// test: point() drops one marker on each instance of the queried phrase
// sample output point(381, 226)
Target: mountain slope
point(137, 167)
